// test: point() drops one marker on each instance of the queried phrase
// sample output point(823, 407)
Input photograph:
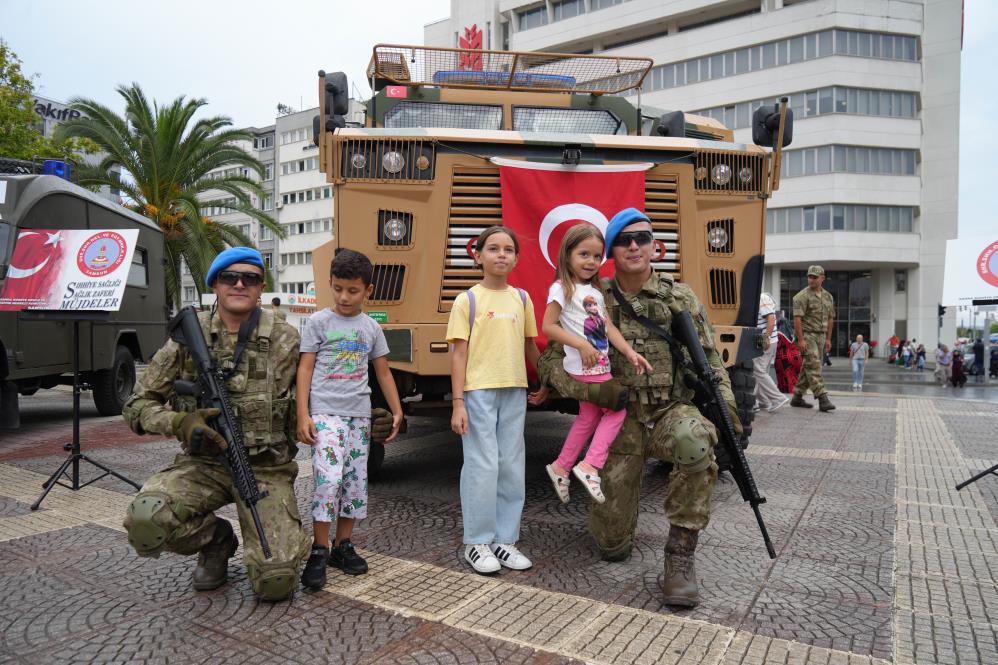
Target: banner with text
point(69, 269)
point(971, 270)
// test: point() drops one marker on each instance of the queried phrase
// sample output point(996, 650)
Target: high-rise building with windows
point(869, 185)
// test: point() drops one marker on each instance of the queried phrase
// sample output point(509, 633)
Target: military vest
point(266, 421)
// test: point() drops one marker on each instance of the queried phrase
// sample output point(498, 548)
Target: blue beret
point(625, 217)
point(233, 255)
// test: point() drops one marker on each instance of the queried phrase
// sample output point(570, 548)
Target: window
point(263, 142)
point(532, 18)
point(138, 272)
point(841, 217)
point(190, 294)
point(268, 259)
point(568, 9)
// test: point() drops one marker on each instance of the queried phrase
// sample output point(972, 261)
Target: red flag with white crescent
point(34, 267)
point(541, 202)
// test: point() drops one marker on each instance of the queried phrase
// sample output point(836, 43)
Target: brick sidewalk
point(880, 560)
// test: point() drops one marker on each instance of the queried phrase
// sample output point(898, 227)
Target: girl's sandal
point(591, 482)
point(560, 484)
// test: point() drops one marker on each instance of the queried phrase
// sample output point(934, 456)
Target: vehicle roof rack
point(397, 64)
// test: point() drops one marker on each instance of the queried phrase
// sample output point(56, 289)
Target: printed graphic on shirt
point(349, 357)
point(594, 329)
point(495, 316)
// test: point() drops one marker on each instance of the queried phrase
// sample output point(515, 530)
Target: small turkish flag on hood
point(541, 202)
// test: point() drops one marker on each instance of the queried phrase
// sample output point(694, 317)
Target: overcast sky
point(245, 57)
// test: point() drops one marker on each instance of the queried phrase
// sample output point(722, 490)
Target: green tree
point(167, 159)
point(20, 137)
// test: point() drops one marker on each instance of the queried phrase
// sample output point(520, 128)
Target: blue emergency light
point(56, 167)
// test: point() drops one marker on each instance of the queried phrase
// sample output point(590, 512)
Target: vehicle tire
point(113, 386)
point(743, 386)
point(375, 458)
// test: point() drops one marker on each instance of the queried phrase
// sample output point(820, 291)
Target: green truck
point(36, 354)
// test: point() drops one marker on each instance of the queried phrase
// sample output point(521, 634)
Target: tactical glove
point(608, 395)
point(735, 420)
point(381, 425)
point(196, 438)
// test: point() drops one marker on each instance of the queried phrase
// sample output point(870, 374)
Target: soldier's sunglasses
point(231, 277)
point(642, 238)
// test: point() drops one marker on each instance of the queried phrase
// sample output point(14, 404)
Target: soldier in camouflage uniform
point(661, 420)
point(174, 511)
point(814, 313)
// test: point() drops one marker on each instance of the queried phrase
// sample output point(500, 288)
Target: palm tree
point(167, 160)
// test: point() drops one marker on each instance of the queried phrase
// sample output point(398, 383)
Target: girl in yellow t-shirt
point(491, 329)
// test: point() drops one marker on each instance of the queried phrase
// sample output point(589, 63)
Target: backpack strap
point(471, 307)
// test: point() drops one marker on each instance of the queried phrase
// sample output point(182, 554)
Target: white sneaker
point(481, 559)
point(786, 400)
point(509, 556)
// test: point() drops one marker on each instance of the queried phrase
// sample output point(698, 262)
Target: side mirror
point(766, 123)
point(672, 124)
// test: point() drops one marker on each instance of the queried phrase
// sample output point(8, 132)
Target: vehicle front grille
point(726, 172)
point(476, 204)
point(723, 288)
point(363, 160)
point(388, 280)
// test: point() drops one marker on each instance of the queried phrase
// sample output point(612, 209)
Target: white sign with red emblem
point(971, 269)
point(70, 269)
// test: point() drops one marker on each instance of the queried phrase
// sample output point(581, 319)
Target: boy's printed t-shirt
point(496, 347)
point(585, 316)
point(343, 346)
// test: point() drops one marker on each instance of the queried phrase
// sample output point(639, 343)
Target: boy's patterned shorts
point(339, 466)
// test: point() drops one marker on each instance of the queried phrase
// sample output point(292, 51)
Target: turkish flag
point(541, 202)
point(33, 270)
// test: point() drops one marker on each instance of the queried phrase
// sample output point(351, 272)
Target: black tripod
point(74, 446)
point(993, 471)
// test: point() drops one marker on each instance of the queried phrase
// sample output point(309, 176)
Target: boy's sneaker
point(345, 557)
point(481, 559)
point(510, 557)
point(314, 575)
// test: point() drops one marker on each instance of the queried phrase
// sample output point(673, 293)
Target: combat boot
point(213, 561)
point(679, 584)
point(824, 404)
point(798, 400)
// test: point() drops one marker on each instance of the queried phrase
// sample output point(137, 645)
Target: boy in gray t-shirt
point(334, 412)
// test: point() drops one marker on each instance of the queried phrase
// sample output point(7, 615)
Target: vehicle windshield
point(6, 240)
point(432, 114)
point(567, 121)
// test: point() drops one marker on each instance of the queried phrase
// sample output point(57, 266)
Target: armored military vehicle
point(417, 184)
point(36, 354)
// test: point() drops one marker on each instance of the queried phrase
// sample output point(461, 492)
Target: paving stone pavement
point(880, 559)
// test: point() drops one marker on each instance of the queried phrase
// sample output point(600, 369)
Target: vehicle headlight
point(745, 174)
point(358, 161)
point(700, 173)
point(717, 237)
point(395, 229)
point(721, 174)
point(393, 162)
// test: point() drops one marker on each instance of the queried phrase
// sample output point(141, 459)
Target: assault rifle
point(210, 391)
point(706, 385)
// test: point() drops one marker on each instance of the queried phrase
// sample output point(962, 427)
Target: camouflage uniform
point(194, 486)
point(659, 408)
point(814, 308)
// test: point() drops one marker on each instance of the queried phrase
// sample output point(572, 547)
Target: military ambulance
point(416, 185)
point(36, 354)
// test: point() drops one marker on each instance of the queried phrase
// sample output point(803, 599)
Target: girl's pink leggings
point(599, 423)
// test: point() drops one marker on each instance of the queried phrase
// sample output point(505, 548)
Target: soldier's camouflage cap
point(816, 270)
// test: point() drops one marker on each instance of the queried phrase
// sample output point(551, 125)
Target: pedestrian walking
point(767, 394)
point(334, 412)
point(892, 348)
point(920, 357)
point(576, 318)
point(490, 341)
point(814, 314)
point(959, 377)
point(859, 352)
point(979, 361)
point(993, 366)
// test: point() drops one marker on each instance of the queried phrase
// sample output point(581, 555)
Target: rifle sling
point(246, 329)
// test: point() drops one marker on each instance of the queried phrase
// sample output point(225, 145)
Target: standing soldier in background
point(174, 511)
point(814, 313)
